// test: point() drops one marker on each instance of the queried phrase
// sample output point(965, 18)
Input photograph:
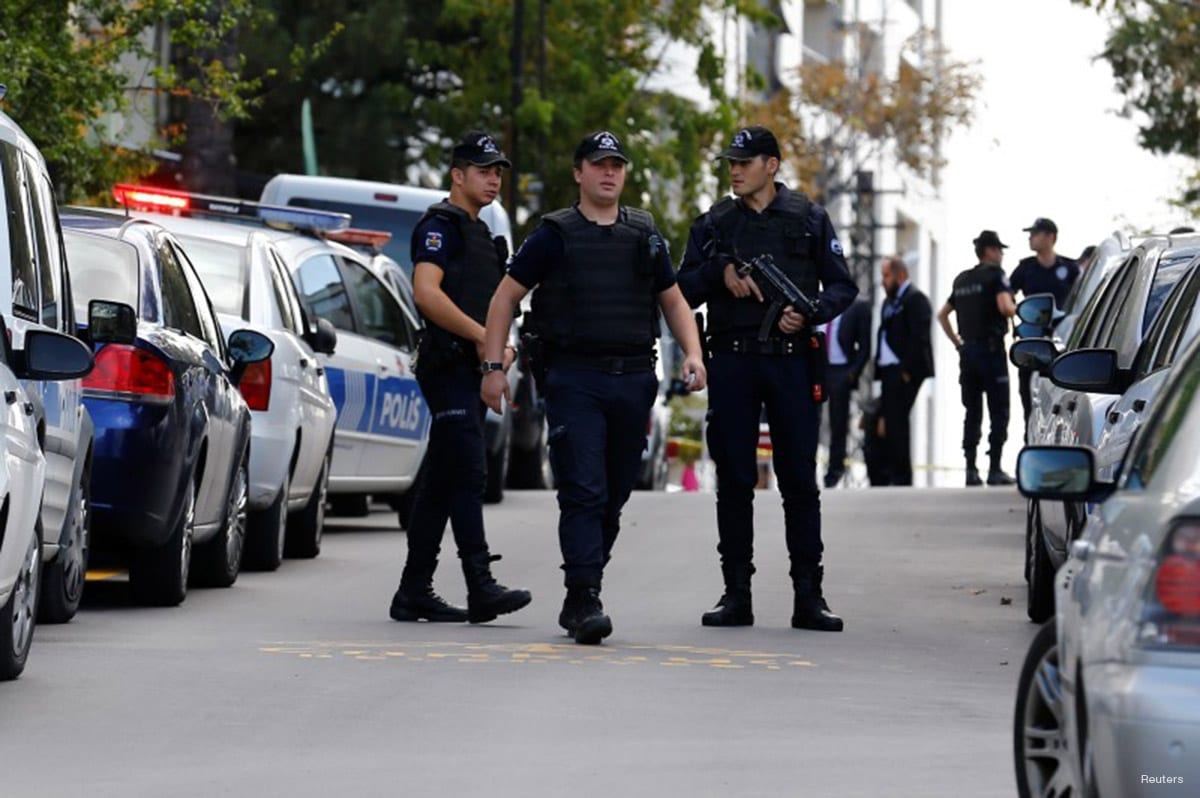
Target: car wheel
point(266, 532)
point(1040, 592)
point(1041, 755)
point(18, 617)
point(159, 577)
point(349, 505)
point(64, 579)
point(219, 560)
point(306, 527)
point(497, 473)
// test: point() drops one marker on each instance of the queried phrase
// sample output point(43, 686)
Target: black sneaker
point(423, 604)
point(998, 477)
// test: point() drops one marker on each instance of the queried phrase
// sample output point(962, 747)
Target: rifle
point(776, 289)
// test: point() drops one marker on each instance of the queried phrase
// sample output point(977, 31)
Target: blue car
point(170, 469)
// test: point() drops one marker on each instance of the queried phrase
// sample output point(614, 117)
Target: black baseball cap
point(750, 142)
point(480, 149)
point(600, 145)
point(1042, 225)
point(988, 238)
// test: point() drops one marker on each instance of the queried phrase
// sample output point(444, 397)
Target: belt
point(604, 363)
point(753, 346)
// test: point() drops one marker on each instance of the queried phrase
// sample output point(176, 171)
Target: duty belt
point(749, 345)
point(607, 364)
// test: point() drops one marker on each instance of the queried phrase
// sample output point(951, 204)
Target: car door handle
point(1139, 405)
point(1054, 410)
point(1113, 417)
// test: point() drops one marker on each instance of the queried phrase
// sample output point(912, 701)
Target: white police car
point(292, 411)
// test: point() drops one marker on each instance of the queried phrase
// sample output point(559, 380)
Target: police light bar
point(161, 200)
point(358, 237)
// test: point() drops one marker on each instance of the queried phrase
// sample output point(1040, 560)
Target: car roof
point(201, 227)
point(350, 189)
point(12, 133)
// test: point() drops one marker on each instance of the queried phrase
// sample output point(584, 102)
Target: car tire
point(158, 577)
point(64, 579)
point(219, 560)
point(266, 532)
point(1041, 758)
point(531, 469)
point(350, 505)
point(497, 473)
point(306, 527)
point(1040, 590)
point(18, 617)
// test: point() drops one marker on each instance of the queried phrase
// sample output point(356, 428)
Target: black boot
point(583, 615)
point(996, 475)
point(734, 608)
point(486, 599)
point(415, 601)
point(973, 480)
point(810, 610)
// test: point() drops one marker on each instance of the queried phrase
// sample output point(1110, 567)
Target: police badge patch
point(835, 247)
point(433, 241)
point(1061, 272)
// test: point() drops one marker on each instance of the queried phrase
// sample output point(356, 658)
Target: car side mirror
point(1029, 330)
point(246, 347)
point(1090, 371)
point(111, 322)
point(52, 356)
point(1037, 309)
point(322, 339)
point(1035, 354)
point(1059, 473)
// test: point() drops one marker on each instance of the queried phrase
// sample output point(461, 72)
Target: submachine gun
point(777, 289)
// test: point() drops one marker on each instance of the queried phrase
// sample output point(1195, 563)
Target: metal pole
point(513, 144)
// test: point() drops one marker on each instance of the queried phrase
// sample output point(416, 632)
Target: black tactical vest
point(978, 317)
point(472, 273)
point(601, 299)
point(784, 233)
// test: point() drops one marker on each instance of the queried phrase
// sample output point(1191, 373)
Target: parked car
point(517, 455)
point(292, 412)
point(653, 472)
point(38, 297)
point(45, 438)
point(1107, 695)
point(172, 456)
point(1117, 317)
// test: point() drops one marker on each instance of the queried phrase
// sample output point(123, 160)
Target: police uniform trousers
point(897, 398)
point(983, 371)
point(597, 433)
point(838, 389)
point(452, 477)
point(739, 385)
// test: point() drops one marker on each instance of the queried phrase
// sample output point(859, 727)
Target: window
point(101, 268)
point(209, 325)
point(223, 271)
point(179, 309)
point(1180, 320)
point(49, 246)
point(20, 234)
point(381, 316)
point(1171, 269)
point(323, 292)
point(283, 298)
point(1151, 446)
point(397, 221)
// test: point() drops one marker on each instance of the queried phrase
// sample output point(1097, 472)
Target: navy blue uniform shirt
point(543, 249)
point(1031, 277)
point(435, 241)
point(701, 274)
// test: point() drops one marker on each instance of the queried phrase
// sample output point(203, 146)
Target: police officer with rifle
point(458, 265)
point(763, 352)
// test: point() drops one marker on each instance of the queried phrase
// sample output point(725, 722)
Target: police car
point(291, 408)
point(516, 443)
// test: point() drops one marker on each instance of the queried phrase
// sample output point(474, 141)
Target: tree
point(70, 85)
point(1152, 51)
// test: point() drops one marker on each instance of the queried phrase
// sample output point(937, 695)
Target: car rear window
point(101, 268)
point(222, 269)
point(397, 221)
point(1171, 269)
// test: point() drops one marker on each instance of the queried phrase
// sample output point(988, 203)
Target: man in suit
point(905, 359)
point(848, 346)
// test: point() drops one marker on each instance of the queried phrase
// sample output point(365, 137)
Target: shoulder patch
point(433, 241)
point(1061, 272)
point(835, 246)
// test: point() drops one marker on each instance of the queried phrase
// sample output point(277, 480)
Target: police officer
point(1045, 272)
point(781, 373)
point(982, 302)
point(458, 265)
point(600, 274)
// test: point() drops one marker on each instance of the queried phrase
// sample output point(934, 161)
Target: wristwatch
point(490, 365)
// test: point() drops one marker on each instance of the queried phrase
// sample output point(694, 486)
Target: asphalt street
point(298, 684)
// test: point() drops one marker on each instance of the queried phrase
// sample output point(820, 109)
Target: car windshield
point(397, 221)
point(1171, 267)
point(101, 268)
point(222, 269)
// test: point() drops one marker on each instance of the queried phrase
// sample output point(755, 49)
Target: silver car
point(1108, 702)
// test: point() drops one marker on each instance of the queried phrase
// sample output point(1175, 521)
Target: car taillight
point(127, 372)
point(1172, 612)
point(256, 385)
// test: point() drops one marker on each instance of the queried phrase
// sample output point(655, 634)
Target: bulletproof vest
point(601, 300)
point(473, 272)
point(975, 304)
point(784, 233)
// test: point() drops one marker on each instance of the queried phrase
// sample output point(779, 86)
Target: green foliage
point(1152, 48)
